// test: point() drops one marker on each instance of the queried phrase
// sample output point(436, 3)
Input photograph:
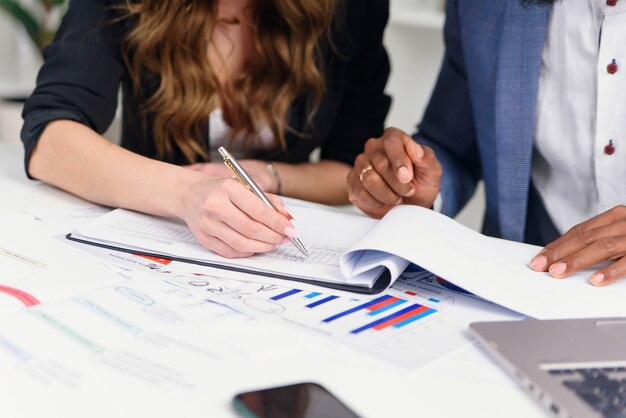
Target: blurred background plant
point(40, 20)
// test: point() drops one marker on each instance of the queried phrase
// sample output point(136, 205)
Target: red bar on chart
point(382, 304)
point(401, 318)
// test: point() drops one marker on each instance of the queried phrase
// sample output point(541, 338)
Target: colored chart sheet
point(415, 321)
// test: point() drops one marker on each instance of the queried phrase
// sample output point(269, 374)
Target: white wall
point(19, 62)
point(19, 59)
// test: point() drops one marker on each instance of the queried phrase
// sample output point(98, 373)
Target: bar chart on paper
point(410, 324)
point(355, 317)
point(372, 325)
point(377, 309)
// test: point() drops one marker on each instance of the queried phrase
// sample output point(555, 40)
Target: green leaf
point(25, 18)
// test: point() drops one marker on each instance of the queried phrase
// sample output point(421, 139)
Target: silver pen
point(245, 179)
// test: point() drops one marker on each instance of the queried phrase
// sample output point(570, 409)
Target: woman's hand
point(231, 221)
point(256, 168)
point(602, 238)
point(393, 170)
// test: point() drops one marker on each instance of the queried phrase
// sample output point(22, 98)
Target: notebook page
point(326, 234)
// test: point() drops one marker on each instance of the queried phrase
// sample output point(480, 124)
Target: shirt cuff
point(438, 203)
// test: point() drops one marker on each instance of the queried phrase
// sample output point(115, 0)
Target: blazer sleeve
point(364, 104)
point(81, 74)
point(448, 123)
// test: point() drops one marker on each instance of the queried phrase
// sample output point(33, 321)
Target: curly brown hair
point(170, 38)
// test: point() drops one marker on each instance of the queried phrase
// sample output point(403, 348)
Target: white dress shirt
point(581, 108)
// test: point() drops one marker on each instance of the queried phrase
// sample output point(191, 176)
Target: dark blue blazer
point(481, 118)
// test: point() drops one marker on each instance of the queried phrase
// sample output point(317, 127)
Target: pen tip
point(223, 152)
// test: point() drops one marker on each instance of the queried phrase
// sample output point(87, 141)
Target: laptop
point(576, 368)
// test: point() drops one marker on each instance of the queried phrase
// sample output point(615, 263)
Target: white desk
point(462, 384)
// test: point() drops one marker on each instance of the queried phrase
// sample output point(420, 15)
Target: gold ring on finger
point(365, 170)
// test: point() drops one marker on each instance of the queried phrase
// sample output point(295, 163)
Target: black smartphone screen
point(303, 400)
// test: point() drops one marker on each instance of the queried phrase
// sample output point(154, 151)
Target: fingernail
point(558, 269)
point(290, 232)
point(290, 212)
point(410, 193)
point(597, 279)
point(403, 175)
point(420, 151)
point(538, 263)
point(398, 201)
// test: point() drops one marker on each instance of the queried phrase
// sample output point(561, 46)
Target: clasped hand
point(393, 170)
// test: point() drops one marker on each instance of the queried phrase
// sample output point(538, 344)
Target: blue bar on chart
point(357, 308)
point(312, 295)
point(399, 317)
point(286, 294)
point(321, 301)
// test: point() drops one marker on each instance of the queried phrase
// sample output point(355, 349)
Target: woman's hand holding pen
point(393, 170)
point(231, 221)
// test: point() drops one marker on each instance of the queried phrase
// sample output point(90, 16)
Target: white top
point(581, 107)
point(219, 135)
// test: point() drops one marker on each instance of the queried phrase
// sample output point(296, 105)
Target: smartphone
point(302, 400)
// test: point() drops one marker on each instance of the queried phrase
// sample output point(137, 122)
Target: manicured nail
point(290, 212)
point(558, 269)
point(403, 175)
point(538, 263)
point(410, 193)
point(597, 279)
point(290, 232)
point(419, 151)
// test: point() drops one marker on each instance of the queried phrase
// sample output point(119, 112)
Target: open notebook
point(353, 252)
point(326, 234)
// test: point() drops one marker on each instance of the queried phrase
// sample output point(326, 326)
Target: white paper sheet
point(494, 269)
point(415, 321)
point(35, 268)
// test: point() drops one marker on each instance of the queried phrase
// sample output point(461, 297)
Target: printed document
point(355, 250)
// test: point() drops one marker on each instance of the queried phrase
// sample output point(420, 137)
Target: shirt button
point(611, 2)
point(612, 67)
point(609, 149)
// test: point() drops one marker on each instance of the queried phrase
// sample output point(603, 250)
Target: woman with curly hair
point(270, 79)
